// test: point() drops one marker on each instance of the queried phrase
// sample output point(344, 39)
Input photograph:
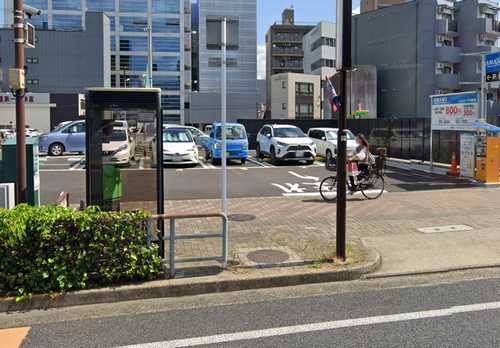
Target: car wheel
point(329, 158)
point(56, 149)
point(258, 152)
point(243, 160)
point(207, 155)
point(274, 160)
point(216, 161)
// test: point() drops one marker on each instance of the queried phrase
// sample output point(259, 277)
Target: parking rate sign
point(456, 111)
point(492, 67)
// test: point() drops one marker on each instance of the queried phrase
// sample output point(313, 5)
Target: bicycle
point(371, 185)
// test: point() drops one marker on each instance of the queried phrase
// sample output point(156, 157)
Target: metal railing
point(172, 237)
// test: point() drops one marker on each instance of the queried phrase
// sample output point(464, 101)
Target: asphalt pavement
point(253, 179)
point(437, 311)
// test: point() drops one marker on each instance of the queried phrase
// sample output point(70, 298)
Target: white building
point(320, 50)
point(295, 96)
point(38, 107)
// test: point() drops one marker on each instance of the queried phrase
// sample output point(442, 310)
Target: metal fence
point(407, 138)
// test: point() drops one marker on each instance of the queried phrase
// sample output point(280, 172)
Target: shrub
point(50, 249)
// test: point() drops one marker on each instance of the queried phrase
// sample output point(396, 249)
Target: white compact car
point(326, 139)
point(179, 146)
point(285, 143)
point(120, 148)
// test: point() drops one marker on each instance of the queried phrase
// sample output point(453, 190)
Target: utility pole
point(346, 14)
point(21, 180)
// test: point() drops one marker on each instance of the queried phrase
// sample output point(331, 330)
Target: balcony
point(287, 51)
point(489, 27)
point(448, 54)
point(447, 27)
point(447, 81)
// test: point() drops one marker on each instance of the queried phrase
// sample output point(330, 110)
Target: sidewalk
point(306, 227)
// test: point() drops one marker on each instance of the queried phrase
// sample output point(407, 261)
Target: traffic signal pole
point(342, 138)
point(21, 180)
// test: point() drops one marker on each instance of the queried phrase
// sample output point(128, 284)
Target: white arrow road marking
point(304, 177)
point(321, 326)
point(291, 188)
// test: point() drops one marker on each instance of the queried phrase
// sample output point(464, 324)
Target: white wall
point(37, 110)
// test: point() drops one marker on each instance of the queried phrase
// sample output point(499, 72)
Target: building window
point(133, 24)
point(216, 62)
point(133, 63)
point(113, 62)
point(32, 60)
point(33, 82)
point(170, 102)
point(67, 22)
point(214, 34)
point(66, 5)
point(323, 63)
point(166, 63)
point(165, 6)
point(304, 111)
point(41, 21)
point(283, 84)
point(134, 43)
point(39, 4)
point(166, 25)
point(166, 44)
point(101, 5)
point(133, 6)
point(324, 41)
point(167, 83)
point(283, 106)
point(304, 89)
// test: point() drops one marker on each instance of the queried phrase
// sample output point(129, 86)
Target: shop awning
point(481, 125)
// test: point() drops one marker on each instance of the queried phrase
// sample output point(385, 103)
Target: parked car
point(67, 138)
point(285, 143)
point(120, 148)
point(179, 146)
point(326, 139)
point(199, 137)
point(236, 143)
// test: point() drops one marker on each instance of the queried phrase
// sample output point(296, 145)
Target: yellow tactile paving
point(13, 338)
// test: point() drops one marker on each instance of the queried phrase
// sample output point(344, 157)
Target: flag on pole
point(332, 95)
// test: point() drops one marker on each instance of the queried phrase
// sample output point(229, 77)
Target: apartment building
point(296, 96)
point(241, 81)
point(284, 48)
point(170, 21)
point(372, 5)
point(320, 50)
point(425, 47)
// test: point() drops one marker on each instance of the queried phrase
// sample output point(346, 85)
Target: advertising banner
point(457, 111)
point(492, 67)
point(467, 155)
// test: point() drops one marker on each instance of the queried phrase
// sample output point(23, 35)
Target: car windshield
point(291, 132)
point(119, 135)
point(177, 136)
point(332, 135)
point(196, 132)
point(232, 133)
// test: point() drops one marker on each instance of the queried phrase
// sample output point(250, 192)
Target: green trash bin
point(112, 187)
point(9, 167)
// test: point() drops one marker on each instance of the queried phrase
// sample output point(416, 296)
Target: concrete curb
point(225, 282)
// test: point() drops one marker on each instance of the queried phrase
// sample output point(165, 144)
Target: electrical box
point(488, 160)
point(17, 79)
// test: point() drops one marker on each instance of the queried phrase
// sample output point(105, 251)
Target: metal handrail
point(172, 238)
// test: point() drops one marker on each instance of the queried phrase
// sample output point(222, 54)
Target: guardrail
point(172, 237)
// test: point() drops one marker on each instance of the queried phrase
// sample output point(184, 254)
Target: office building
point(320, 50)
point(62, 62)
point(440, 54)
point(372, 5)
point(241, 86)
point(296, 96)
point(171, 27)
point(284, 50)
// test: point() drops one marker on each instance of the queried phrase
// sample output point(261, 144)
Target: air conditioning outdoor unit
point(7, 196)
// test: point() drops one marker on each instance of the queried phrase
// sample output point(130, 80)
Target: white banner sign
point(455, 111)
point(467, 155)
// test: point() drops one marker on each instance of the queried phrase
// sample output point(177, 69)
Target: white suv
point(285, 143)
point(325, 140)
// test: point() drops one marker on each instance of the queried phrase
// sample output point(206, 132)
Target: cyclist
point(363, 158)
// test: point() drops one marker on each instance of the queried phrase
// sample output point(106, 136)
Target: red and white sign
point(456, 111)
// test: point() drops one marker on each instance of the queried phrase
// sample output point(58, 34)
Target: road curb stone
point(197, 286)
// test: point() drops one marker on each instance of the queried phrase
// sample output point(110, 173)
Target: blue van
point(237, 143)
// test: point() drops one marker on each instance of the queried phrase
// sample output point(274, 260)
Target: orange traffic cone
point(454, 165)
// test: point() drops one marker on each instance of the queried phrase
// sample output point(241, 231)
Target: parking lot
point(255, 178)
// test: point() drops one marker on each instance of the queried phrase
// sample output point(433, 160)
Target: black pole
point(160, 193)
point(342, 138)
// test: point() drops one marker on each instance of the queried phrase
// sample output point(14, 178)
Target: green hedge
point(53, 249)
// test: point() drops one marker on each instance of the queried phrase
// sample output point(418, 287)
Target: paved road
point(453, 310)
point(254, 179)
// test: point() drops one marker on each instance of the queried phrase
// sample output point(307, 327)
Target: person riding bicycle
point(363, 158)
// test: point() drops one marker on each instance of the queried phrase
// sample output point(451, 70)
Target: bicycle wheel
point(328, 189)
point(374, 187)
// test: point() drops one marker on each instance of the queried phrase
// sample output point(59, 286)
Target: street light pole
point(21, 180)
point(223, 130)
point(346, 14)
point(149, 29)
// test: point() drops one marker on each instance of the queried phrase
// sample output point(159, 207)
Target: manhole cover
point(443, 229)
point(241, 217)
point(268, 256)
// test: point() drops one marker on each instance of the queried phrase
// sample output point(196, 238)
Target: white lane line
point(322, 326)
point(260, 163)
point(314, 178)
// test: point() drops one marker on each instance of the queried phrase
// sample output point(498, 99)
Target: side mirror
point(323, 138)
point(268, 136)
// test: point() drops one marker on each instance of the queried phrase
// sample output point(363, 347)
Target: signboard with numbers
point(455, 111)
point(492, 67)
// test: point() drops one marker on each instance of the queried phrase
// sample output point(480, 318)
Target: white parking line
point(260, 163)
point(321, 326)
